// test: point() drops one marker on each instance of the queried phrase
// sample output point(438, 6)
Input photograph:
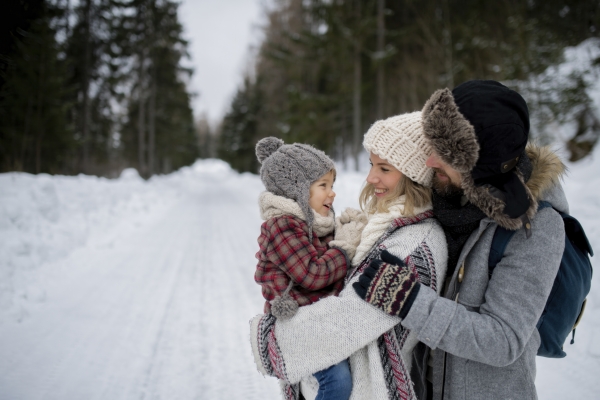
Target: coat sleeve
point(498, 332)
point(295, 254)
point(330, 330)
point(318, 336)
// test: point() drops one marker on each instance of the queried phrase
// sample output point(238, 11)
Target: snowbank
point(45, 219)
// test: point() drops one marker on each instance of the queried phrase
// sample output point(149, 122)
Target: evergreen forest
point(93, 87)
point(327, 69)
point(96, 86)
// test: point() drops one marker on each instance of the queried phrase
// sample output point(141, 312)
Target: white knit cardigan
point(347, 327)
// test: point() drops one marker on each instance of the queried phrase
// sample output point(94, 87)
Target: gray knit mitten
point(348, 228)
point(388, 284)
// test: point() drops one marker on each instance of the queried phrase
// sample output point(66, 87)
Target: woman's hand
point(348, 228)
point(388, 284)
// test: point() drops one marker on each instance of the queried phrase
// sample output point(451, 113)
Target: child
point(298, 261)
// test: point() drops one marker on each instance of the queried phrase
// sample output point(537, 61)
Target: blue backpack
point(567, 299)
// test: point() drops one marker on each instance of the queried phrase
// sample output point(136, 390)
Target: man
point(482, 332)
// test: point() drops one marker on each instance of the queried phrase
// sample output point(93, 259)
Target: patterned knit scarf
point(272, 206)
point(391, 343)
point(378, 224)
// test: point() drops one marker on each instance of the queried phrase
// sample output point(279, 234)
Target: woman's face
point(383, 176)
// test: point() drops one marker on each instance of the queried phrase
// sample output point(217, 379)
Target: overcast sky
point(220, 33)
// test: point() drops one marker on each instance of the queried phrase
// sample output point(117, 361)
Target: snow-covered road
point(160, 311)
point(127, 289)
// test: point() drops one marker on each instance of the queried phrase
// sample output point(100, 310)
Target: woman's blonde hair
point(417, 196)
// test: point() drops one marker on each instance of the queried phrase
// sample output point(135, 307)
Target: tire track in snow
point(230, 296)
point(151, 316)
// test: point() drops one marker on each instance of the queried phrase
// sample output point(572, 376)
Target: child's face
point(322, 194)
point(383, 176)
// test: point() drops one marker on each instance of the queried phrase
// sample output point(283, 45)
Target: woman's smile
point(380, 192)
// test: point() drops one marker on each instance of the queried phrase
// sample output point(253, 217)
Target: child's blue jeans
point(335, 382)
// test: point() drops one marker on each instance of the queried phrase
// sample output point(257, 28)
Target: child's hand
point(348, 229)
point(351, 214)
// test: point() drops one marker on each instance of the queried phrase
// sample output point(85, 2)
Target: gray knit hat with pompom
point(288, 170)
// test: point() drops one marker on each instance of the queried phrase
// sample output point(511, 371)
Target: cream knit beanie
point(400, 141)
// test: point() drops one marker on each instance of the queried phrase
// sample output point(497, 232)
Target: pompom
point(267, 146)
point(284, 307)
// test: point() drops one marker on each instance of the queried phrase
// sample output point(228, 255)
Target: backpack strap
point(501, 238)
point(543, 204)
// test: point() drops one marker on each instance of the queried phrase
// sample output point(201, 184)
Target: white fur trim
point(272, 206)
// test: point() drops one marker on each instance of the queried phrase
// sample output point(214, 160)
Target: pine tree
point(239, 131)
point(206, 138)
point(34, 135)
point(93, 80)
point(159, 133)
point(327, 69)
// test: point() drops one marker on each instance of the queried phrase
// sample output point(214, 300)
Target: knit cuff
point(255, 342)
point(348, 249)
point(409, 301)
point(390, 286)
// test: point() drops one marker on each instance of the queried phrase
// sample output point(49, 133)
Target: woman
point(397, 201)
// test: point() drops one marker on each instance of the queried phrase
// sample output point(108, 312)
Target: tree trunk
point(356, 105)
point(142, 119)
point(448, 46)
point(152, 124)
point(152, 100)
point(85, 85)
point(380, 63)
point(357, 92)
point(26, 134)
point(39, 123)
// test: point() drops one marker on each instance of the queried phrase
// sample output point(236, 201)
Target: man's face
point(446, 180)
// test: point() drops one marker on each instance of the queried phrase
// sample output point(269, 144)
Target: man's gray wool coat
point(483, 331)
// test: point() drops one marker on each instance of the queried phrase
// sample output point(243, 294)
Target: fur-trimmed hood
point(548, 169)
point(454, 140)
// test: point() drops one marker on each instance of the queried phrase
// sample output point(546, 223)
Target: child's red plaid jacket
point(287, 254)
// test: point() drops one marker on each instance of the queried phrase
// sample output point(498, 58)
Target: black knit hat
point(481, 130)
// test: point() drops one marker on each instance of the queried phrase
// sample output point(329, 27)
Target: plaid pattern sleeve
point(287, 253)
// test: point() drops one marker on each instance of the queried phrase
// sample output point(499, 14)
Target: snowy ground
point(128, 289)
